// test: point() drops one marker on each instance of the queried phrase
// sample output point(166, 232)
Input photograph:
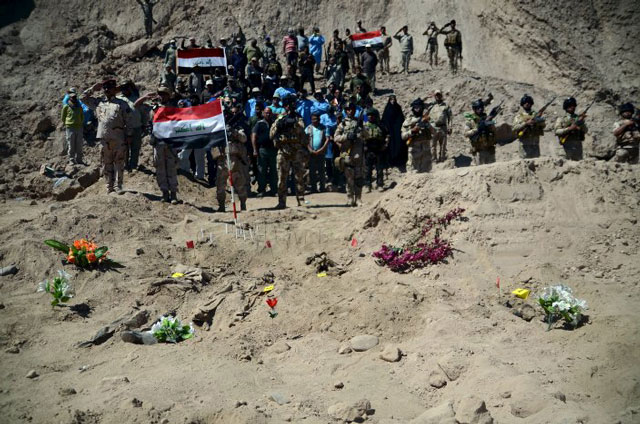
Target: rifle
point(482, 129)
point(423, 123)
point(579, 122)
point(537, 115)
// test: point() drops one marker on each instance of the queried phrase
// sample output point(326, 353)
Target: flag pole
point(226, 149)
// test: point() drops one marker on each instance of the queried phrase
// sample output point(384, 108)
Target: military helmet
point(417, 103)
point(627, 107)
point(571, 101)
point(477, 104)
point(526, 99)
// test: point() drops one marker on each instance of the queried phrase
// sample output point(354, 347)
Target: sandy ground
point(530, 223)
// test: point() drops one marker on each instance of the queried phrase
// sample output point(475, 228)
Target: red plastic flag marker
point(354, 242)
point(272, 302)
point(190, 244)
point(268, 244)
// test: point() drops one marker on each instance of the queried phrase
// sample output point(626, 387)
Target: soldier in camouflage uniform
point(528, 128)
point(288, 134)
point(114, 131)
point(570, 130)
point(239, 163)
point(481, 133)
point(376, 141)
point(164, 156)
point(348, 136)
point(440, 114)
point(627, 133)
point(417, 132)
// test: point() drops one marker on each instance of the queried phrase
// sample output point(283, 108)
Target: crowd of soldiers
point(280, 138)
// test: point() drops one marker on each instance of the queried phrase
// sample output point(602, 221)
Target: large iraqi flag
point(194, 127)
point(206, 59)
point(361, 39)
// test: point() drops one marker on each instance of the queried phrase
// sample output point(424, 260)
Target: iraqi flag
point(206, 59)
point(194, 127)
point(361, 39)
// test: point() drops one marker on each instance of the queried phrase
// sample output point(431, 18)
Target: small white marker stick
point(226, 229)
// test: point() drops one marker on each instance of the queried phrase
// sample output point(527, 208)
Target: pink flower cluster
point(421, 254)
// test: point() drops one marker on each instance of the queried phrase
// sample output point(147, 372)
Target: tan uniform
point(441, 117)
point(383, 53)
point(239, 163)
point(419, 144)
point(292, 152)
point(353, 154)
point(483, 146)
point(529, 136)
point(627, 144)
point(114, 125)
point(572, 144)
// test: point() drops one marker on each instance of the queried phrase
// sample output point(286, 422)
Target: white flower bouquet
point(170, 330)
point(559, 302)
point(59, 288)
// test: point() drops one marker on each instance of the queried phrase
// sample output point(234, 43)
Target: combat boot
point(165, 196)
point(243, 205)
point(221, 208)
point(119, 190)
point(174, 198)
point(282, 203)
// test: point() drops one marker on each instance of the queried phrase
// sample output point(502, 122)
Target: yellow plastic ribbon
point(177, 275)
point(268, 289)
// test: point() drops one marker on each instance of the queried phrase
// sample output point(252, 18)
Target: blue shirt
point(303, 108)
point(315, 47)
point(317, 136)
point(329, 122)
point(285, 92)
point(319, 107)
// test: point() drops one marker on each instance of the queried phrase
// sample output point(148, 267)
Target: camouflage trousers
point(166, 162)
point(419, 156)
point(113, 153)
point(297, 160)
point(484, 157)
point(432, 48)
point(239, 165)
point(439, 144)
point(383, 59)
point(573, 149)
point(354, 174)
point(406, 58)
point(454, 54)
point(529, 148)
